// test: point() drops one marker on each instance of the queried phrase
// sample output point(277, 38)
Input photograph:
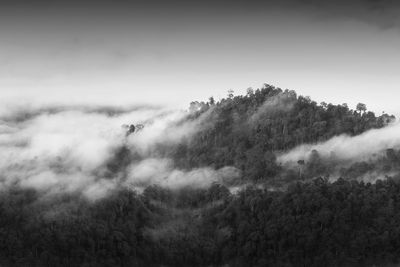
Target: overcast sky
point(110, 52)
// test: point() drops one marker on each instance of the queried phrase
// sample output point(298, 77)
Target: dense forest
point(248, 131)
point(345, 223)
point(273, 215)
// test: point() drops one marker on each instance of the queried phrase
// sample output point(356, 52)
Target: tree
point(361, 107)
point(211, 101)
point(230, 93)
point(250, 91)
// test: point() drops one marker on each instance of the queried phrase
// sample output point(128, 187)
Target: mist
point(349, 149)
point(70, 149)
point(282, 102)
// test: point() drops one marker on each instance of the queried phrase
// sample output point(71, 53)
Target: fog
point(70, 149)
point(348, 148)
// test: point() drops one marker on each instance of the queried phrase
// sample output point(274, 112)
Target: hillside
point(250, 131)
point(281, 186)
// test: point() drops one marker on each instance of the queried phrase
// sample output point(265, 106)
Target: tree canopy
point(275, 216)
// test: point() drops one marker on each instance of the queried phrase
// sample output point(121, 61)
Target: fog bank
point(71, 149)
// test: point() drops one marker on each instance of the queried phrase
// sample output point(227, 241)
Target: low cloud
point(282, 102)
point(348, 148)
point(69, 149)
point(161, 172)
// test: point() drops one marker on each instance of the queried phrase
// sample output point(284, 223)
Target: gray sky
point(168, 52)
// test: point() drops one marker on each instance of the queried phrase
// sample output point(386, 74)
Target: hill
point(292, 192)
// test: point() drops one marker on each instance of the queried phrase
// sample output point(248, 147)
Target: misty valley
point(269, 178)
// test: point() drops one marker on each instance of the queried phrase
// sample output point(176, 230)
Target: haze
point(173, 53)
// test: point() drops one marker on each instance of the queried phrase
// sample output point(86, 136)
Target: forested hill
point(275, 214)
point(247, 131)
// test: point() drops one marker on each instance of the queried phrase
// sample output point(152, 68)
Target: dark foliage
point(345, 223)
point(310, 223)
point(246, 131)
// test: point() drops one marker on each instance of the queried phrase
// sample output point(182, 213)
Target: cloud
point(161, 172)
point(167, 128)
point(348, 148)
point(71, 149)
point(383, 14)
point(279, 103)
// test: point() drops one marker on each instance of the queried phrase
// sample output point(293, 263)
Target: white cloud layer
point(349, 148)
point(69, 149)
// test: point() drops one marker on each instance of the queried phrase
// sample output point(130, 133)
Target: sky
point(174, 52)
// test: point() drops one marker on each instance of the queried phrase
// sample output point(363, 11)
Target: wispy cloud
point(348, 148)
point(70, 149)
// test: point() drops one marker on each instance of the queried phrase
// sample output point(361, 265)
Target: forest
point(321, 209)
